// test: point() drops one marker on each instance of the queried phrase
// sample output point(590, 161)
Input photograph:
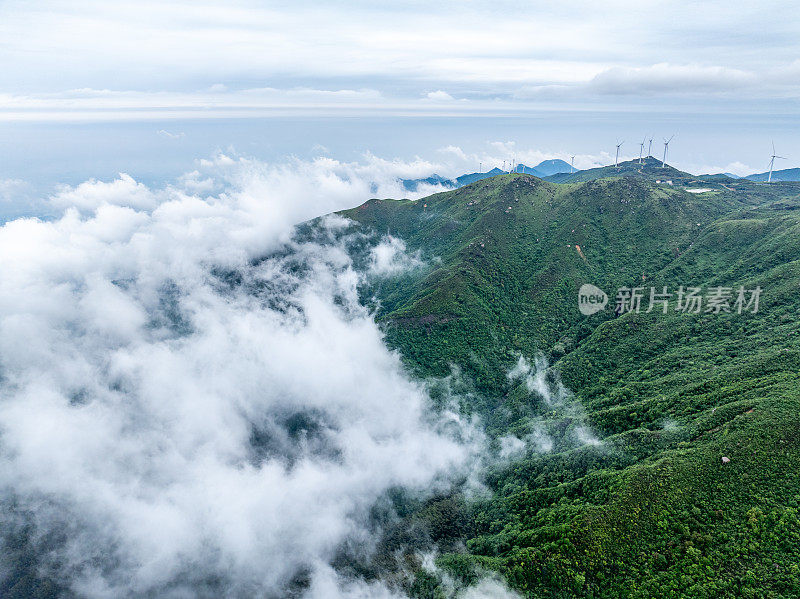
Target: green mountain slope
point(652, 510)
point(787, 174)
point(511, 252)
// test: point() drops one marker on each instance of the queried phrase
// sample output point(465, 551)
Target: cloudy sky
point(398, 58)
point(95, 88)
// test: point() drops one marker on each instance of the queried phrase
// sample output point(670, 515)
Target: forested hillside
point(632, 497)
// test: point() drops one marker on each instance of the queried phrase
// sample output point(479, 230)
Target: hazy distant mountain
point(544, 169)
point(787, 174)
point(472, 177)
point(434, 179)
point(552, 167)
point(718, 177)
point(524, 169)
point(466, 179)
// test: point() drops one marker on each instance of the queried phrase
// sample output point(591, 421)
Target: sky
point(92, 89)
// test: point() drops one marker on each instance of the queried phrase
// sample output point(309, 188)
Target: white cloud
point(456, 152)
point(89, 196)
point(489, 588)
point(585, 436)
point(184, 429)
point(439, 96)
point(667, 78)
point(11, 189)
point(735, 168)
point(545, 384)
point(511, 446)
point(106, 104)
point(170, 135)
point(390, 257)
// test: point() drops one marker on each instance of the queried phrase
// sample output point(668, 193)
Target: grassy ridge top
point(650, 168)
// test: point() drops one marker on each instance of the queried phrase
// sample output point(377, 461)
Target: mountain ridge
point(787, 174)
point(542, 170)
point(559, 171)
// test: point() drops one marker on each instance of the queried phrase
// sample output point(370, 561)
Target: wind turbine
point(641, 149)
point(772, 162)
point(650, 148)
point(616, 160)
point(480, 167)
point(666, 147)
point(572, 165)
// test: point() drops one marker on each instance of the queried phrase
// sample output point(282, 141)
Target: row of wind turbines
point(666, 148)
point(641, 151)
point(513, 164)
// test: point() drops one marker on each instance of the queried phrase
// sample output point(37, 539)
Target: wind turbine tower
point(650, 148)
point(616, 160)
point(666, 147)
point(641, 149)
point(572, 165)
point(772, 162)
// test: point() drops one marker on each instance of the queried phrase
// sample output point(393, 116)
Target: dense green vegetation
point(652, 511)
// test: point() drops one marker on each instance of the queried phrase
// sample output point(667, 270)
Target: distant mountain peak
point(787, 174)
point(553, 167)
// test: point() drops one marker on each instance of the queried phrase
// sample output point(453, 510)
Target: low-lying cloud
point(390, 257)
point(185, 410)
point(559, 404)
